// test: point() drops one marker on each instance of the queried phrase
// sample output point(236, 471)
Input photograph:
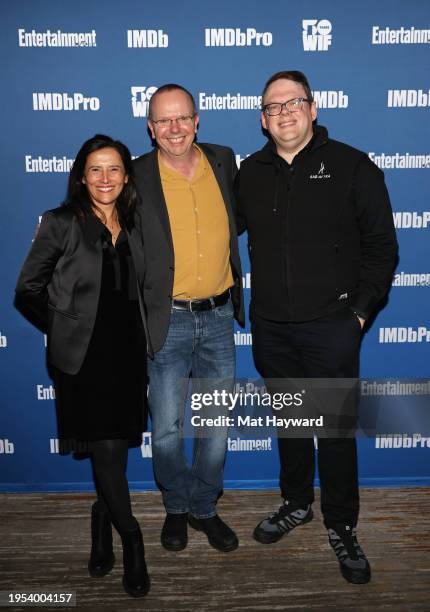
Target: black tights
point(109, 459)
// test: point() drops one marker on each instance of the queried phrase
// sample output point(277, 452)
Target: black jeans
point(324, 348)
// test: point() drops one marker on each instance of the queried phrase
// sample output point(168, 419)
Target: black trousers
point(324, 348)
point(109, 459)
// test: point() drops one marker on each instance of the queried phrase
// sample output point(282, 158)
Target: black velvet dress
point(106, 399)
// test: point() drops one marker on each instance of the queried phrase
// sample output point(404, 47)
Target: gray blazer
point(153, 218)
point(59, 284)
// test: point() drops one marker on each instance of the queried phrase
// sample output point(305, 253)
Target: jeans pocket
point(224, 311)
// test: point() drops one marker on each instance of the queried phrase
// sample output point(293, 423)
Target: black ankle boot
point(102, 557)
point(135, 580)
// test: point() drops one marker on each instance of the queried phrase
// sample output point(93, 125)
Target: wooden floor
point(44, 544)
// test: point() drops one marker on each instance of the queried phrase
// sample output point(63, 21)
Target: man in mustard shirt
point(193, 290)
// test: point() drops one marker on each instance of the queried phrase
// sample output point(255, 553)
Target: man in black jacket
point(323, 249)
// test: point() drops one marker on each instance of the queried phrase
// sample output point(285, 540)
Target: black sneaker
point(278, 524)
point(353, 563)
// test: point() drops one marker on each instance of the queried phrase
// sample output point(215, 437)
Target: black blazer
point(153, 218)
point(59, 284)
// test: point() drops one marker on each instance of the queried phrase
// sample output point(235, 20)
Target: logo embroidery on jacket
point(320, 173)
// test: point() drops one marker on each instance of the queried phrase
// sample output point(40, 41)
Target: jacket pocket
point(64, 313)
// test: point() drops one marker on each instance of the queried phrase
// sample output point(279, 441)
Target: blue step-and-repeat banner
point(71, 70)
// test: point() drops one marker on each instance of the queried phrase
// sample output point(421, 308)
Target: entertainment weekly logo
point(242, 339)
point(316, 34)
point(400, 161)
point(399, 36)
point(56, 39)
point(228, 101)
point(47, 165)
point(140, 97)
point(45, 393)
point(411, 279)
point(395, 387)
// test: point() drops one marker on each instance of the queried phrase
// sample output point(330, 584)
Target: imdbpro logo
point(235, 37)
point(46, 101)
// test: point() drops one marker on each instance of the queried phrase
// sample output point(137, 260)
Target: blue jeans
point(200, 344)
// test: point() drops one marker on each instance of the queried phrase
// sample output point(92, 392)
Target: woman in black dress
point(81, 282)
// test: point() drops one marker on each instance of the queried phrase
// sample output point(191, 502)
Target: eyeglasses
point(292, 106)
point(184, 120)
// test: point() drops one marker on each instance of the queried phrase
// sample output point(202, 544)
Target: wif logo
point(140, 97)
point(316, 34)
point(321, 173)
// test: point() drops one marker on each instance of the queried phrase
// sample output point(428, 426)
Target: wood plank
point(44, 545)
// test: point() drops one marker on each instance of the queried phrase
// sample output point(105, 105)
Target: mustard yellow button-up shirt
point(200, 232)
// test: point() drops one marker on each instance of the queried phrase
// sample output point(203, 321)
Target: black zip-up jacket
point(320, 231)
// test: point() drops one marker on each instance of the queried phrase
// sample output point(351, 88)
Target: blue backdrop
point(73, 69)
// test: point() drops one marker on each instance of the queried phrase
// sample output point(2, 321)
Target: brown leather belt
point(199, 305)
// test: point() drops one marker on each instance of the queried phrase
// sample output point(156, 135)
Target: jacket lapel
point(137, 252)
point(153, 196)
point(221, 177)
point(219, 172)
point(91, 229)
